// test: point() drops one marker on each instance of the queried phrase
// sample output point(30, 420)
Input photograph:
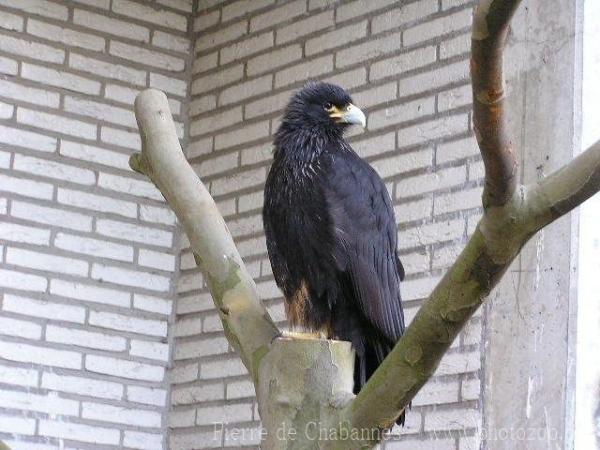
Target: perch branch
point(566, 188)
point(490, 29)
point(247, 324)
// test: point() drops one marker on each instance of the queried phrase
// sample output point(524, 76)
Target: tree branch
point(565, 189)
point(247, 324)
point(490, 29)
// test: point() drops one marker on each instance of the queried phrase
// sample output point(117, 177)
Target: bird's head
point(324, 106)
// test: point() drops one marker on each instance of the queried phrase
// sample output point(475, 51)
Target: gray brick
point(203, 104)
point(53, 122)
point(147, 13)
point(206, 62)
point(241, 135)
point(435, 28)
point(376, 96)
point(129, 185)
point(124, 368)
point(337, 38)
point(28, 94)
point(304, 27)
point(454, 150)
point(60, 79)
point(174, 86)
point(120, 138)
point(145, 56)
point(96, 202)
point(41, 7)
point(8, 66)
point(404, 14)
point(12, 22)
point(171, 42)
point(28, 139)
point(66, 36)
point(133, 232)
point(267, 105)
point(274, 59)
point(243, 7)
point(304, 71)
point(350, 79)
point(245, 90)
point(221, 36)
point(30, 49)
point(85, 433)
point(94, 154)
point(14, 232)
point(368, 50)
point(90, 293)
point(27, 188)
point(403, 162)
point(455, 46)
point(93, 247)
point(440, 180)
point(18, 328)
point(403, 63)
point(401, 113)
point(46, 262)
point(360, 7)
point(216, 79)
point(441, 76)
point(51, 216)
point(106, 69)
point(246, 47)
point(19, 352)
point(435, 129)
point(52, 169)
point(206, 20)
point(455, 98)
point(286, 12)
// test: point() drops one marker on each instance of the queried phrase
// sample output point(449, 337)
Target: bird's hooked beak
point(350, 114)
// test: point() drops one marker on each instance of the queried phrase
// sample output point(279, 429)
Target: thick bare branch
point(565, 189)
point(246, 322)
point(490, 29)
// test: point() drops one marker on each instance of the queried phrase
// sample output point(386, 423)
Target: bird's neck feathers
point(305, 142)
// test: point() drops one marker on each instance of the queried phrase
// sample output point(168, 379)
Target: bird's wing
point(365, 241)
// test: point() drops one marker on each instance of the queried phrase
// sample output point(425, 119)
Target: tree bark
point(246, 322)
point(323, 394)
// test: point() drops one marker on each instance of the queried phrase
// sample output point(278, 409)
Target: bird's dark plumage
point(331, 231)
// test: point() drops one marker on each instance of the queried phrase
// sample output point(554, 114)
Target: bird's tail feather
point(367, 363)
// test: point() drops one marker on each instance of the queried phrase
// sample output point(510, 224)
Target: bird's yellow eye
point(328, 106)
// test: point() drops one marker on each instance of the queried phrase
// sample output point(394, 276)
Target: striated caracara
point(331, 231)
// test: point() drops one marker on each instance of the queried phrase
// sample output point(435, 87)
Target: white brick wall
point(87, 247)
point(406, 65)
